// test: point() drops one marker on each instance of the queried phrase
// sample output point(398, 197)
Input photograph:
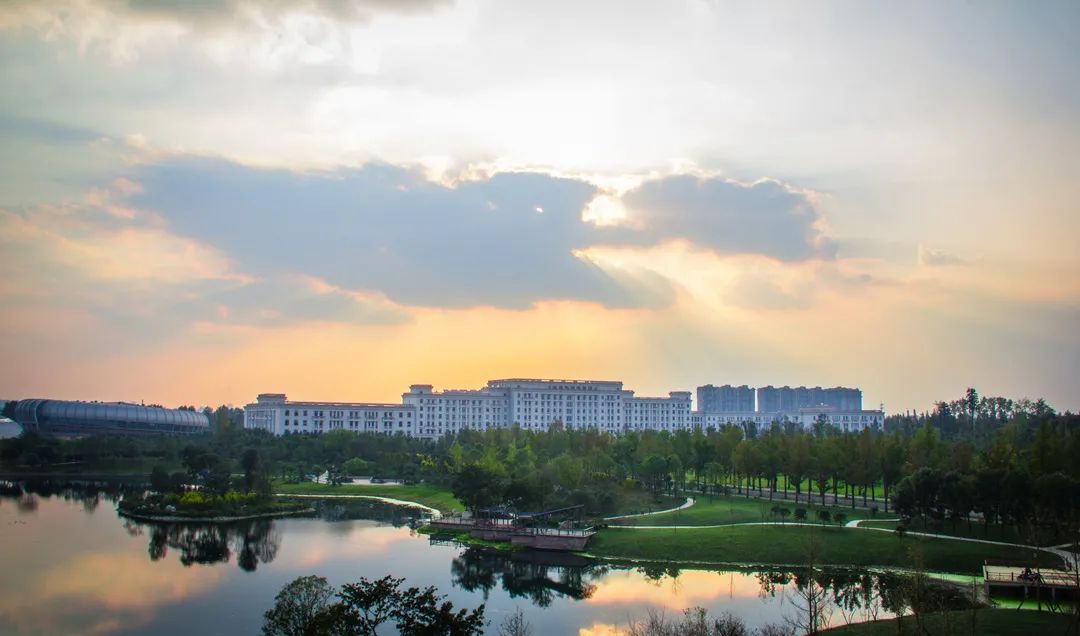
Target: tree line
point(1008, 461)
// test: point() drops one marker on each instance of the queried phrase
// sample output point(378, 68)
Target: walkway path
point(854, 523)
point(689, 502)
point(1065, 555)
point(435, 514)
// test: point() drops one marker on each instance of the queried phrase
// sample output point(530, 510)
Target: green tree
point(368, 604)
point(799, 460)
point(250, 463)
point(159, 480)
point(303, 607)
point(423, 612)
point(477, 487)
point(218, 479)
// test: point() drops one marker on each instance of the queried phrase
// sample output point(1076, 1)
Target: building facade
point(725, 399)
point(274, 413)
point(71, 418)
point(533, 404)
point(786, 399)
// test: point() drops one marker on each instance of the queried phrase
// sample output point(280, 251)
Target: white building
point(530, 403)
point(441, 412)
point(273, 412)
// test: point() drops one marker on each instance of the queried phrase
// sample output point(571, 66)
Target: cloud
point(931, 257)
point(766, 217)
point(506, 240)
point(206, 14)
point(310, 32)
point(126, 280)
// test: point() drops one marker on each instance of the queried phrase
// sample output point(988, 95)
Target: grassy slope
point(732, 509)
point(434, 496)
point(787, 545)
point(997, 532)
point(989, 622)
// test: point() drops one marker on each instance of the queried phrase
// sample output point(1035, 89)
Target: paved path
point(729, 525)
point(854, 523)
point(1065, 555)
point(435, 514)
point(689, 502)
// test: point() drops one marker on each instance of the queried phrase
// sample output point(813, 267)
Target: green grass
point(734, 509)
point(433, 496)
point(988, 622)
point(788, 545)
point(997, 532)
point(636, 500)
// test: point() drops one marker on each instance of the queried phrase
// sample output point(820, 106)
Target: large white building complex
point(532, 404)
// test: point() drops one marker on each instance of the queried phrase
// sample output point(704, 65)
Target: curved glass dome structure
point(61, 417)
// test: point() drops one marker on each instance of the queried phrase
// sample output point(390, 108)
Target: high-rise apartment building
point(725, 399)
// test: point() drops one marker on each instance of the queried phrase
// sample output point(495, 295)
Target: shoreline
point(305, 512)
point(434, 512)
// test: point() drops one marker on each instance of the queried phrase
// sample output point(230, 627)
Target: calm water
point(72, 566)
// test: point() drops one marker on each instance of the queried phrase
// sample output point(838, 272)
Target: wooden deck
point(1044, 582)
point(557, 539)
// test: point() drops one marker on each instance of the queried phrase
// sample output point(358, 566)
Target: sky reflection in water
point(72, 566)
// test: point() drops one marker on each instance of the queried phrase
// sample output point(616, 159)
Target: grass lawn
point(637, 500)
point(989, 622)
point(787, 545)
point(734, 509)
point(997, 532)
point(434, 496)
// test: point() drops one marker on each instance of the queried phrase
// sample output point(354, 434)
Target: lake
point(71, 565)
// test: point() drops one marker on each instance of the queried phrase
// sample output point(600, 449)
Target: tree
point(654, 470)
point(159, 480)
point(515, 625)
point(250, 463)
point(971, 404)
point(812, 599)
point(798, 460)
point(477, 487)
point(302, 608)
point(369, 604)
point(219, 479)
point(422, 612)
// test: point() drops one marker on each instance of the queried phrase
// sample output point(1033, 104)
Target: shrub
point(193, 498)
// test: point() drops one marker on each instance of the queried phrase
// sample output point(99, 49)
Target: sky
point(202, 201)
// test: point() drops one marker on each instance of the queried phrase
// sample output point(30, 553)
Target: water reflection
point(253, 542)
point(82, 569)
point(538, 576)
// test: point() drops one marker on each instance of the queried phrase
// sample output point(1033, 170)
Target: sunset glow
point(198, 206)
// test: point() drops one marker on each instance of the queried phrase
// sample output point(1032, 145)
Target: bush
point(357, 467)
point(800, 514)
point(193, 498)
